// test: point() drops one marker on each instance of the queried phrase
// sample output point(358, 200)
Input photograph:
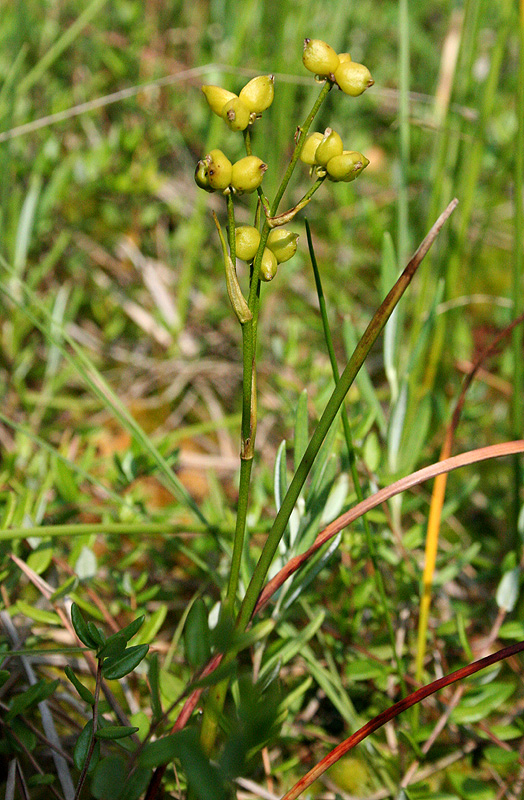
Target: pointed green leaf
point(82, 745)
point(115, 668)
point(115, 731)
point(81, 629)
point(82, 690)
point(197, 639)
point(35, 694)
point(38, 614)
point(113, 648)
point(109, 778)
point(96, 634)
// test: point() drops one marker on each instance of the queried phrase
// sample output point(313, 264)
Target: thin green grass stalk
point(150, 529)
point(94, 379)
point(248, 435)
point(61, 44)
point(517, 408)
point(379, 581)
point(403, 244)
point(370, 335)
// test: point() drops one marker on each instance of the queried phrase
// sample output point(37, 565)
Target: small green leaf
point(25, 736)
point(4, 676)
point(68, 586)
point(160, 752)
point(113, 647)
point(197, 639)
point(35, 694)
point(154, 684)
point(41, 556)
point(81, 629)
point(96, 634)
point(82, 745)
point(126, 663)
point(129, 631)
point(108, 779)
point(38, 614)
point(65, 482)
point(41, 780)
point(153, 624)
point(82, 690)
point(136, 785)
point(115, 731)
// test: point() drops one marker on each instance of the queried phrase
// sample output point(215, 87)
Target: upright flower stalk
point(273, 245)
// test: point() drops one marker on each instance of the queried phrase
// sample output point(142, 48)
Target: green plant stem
point(217, 695)
point(362, 349)
point(379, 581)
point(110, 528)
point(89, 754)
point(402, 204)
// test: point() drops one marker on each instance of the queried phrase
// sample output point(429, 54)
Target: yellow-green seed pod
point(257, 95)
point(310, 148)
point(247, 174)
point(282, 243)
point(268, 265)
point(330, 146)
point(344, 57)
point(347, 166)
point(353, 78)
point(201, 178)
point(247, 239)
point(217, 98)
point(319, 57)
point(235, 114)
point(219, 169)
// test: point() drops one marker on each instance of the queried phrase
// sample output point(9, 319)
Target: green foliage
point(121, 384)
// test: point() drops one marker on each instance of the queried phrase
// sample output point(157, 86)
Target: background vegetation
point(101, 124)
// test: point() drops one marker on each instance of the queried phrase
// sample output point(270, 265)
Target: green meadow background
point(110, 269)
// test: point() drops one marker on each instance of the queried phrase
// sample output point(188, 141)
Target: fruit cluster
point(215, 172)
point(325, 154)
point(351, 77)
point(281, 245)
point(239, 111)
